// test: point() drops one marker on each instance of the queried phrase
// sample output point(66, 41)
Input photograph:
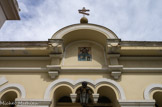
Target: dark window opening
point(65, 99)
point(89, 100)
point(9, 97)
point(104, 99)
point(156, 105)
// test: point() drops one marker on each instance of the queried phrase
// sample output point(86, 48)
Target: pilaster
point(114, 67)
point(113, 53)
point(56, 55)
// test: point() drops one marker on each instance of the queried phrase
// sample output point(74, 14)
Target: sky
point(130, 20)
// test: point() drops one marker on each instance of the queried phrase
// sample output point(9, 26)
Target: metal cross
point(83, 11)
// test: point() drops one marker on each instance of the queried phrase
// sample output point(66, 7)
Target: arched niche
point(96, 51)
point(12, 86)
point(84, 32)
point(154, 92)
point(119, 92)
point(8, 98)
point(107, 96)
point(150, 90)
point(157, 96)
point(61, 95)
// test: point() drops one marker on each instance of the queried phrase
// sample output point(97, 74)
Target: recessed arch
point(107, 32)
point(109, 93)
point(84, 41)
point(17, 87)
point(110, 87)
point(61, 92)
point(157, 96)
point(150, 89)
point(71, 53)
point(54, 84)
point(9, 97)
point(114, 84)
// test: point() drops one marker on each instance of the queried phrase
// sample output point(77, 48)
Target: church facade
point(50, 73)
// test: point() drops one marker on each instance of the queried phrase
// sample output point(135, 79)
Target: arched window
point(158, 98)
point(107, 97)
point(62, 96)
point(8, 99)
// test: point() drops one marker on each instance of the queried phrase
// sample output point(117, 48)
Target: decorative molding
point(21, 48)
point(151, 70)
point(53, 70)
point(84, 69)
point(137, 103)
point(23, 69)
point(74, 84)
point(113, 55)
point(56, 55)
point(18, 87)
point(141, 43)
point(113, 47)
point(53, 74)
point(95, 97)
point(32, 102)
point(116, 74)
point(115, 67)
point(73, 97)
point(151, 88)
point(25, 58)
point(56, 47)
point(44, 69)
point(3, 80)
point(139, 58)
point(54, 67)
point(116, 71)
point(78, 69)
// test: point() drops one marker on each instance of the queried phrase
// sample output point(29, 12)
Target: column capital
point(73, 97)
point(95, 97)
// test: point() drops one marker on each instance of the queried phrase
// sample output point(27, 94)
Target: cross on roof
point(83, 11)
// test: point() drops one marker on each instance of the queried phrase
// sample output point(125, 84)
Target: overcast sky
point(134, 20)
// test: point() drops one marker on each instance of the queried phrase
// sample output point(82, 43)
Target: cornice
point(78, 70)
